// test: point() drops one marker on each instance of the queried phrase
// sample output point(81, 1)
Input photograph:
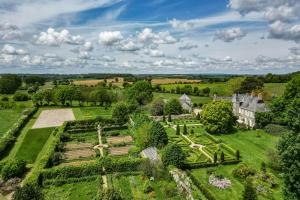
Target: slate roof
point(151, 153)
point(249, 102)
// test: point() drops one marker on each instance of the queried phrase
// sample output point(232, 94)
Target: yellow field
point(94, 82)
point(173, 80)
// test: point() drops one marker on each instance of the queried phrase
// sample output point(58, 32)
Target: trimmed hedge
point(228, 148)
point(206, 192)
point(9, 138)
point(213, 138)
point(204, 165)
point(59, 182)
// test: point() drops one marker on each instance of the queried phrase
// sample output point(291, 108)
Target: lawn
point(253, 146)
point(85, 190)
point(82, 113)
point(132, 187)
point(276, 89)
point(33, 144)
point(7, 118)
point(195, 99)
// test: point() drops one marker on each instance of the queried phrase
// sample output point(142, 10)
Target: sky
point(150, 36)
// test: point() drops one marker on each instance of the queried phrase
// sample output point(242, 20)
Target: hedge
point(229, 149)
point(9, 138)
point(213, 138)
point(59, 182)
point(206, 164)
point(275, 129)
point(206, 192)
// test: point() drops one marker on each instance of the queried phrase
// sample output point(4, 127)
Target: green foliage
point(289, 151)
point(141, 92)
point(120, 112)
point(173, 155)
point(20, 96)
point(243, 171)
point(9, 84)
point(142, 136)
point(215, 157)
point(158, 136)
point(222, 157)
point(237, 155)
point(157, 107)
point(28, 192)
point(13, 168)
point(275, 129)
point(234, 84)
point(185, 132)
point(262, 119)
point(177, 130)
point(102, 96)
point(249, 191)
point(169, 118)
point(250, 84)
point(263, 167)
point(173, 107)
point(217, 117)
point(112, 194)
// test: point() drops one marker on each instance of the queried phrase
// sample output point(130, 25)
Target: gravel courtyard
point(53, 118)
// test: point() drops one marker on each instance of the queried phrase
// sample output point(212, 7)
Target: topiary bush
point(13, 168)
point(243, 171)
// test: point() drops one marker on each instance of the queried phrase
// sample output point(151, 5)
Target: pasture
point(118, 81)
point(7, 118)
point(156, 81)
point(83, 113)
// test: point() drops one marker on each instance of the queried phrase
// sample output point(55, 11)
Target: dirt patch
point(119, 139)
point(117, 151)
point(53, 118)
point(77, 163)
point(79, 153)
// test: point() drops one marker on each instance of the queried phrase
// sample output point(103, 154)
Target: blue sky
point(149, 36)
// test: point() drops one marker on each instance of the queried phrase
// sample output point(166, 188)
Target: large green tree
point(158, 135)
point(217, 117)
point(173, 107)
point(250, 84)
point(141, 92)
point(157, 107)
point(9, 84)
point(120, 112)
point(172, 154)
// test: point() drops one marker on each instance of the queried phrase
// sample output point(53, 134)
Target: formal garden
point(107, 142)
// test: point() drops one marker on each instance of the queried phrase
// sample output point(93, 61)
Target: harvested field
point(53, 118)
point(173, 80)
point(119, 139)
point(118, 151)
point(72, 146)
point(79, 153)
point(94, 82)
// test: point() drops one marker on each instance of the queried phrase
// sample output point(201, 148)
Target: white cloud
point(88, 46)
point(227, 58)
point(295, 50)
point(129, 46)
point(284, 31)
point(229, 35)
point(185, 25)
point(10, 50)
point(110, 37)
point(54, 38)
point(154, 53)
point(148, 36)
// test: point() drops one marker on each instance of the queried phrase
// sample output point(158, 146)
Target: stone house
point(245, 106)
point(186, 103)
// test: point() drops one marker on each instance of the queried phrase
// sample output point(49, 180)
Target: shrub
point(111, 194)
point(28, 192)
point(173, 107)
point(13, 168)
point(19, 96)
point(275, 129)
point(4, 98)
point(185, 129)
point(173, 155)
point(243, 171)
point(222, 157)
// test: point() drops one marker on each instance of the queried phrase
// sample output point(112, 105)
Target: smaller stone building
point(186, 103)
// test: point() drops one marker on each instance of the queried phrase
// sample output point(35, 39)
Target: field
point(7, 118)
point(276, 89)
point(132, 187)
point(85, 190)
point(172, 81)
point(253, 146)
point(94, 82)
point(83, 113)
point(53, 118)
point(33, 144)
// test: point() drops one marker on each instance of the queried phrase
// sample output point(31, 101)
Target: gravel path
point(53, 118)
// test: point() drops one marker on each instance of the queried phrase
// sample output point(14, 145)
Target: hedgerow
point(9, 138)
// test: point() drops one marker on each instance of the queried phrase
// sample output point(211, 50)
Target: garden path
point(100, 147)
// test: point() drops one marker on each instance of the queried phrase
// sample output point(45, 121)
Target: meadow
point(7, 118)
point(195, 99)
point(83, 113)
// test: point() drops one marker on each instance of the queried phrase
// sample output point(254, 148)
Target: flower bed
point(221, 183)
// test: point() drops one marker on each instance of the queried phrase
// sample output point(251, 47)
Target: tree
point(142, 136)
point(263, 167)
point(13, 168)
point(28, 192)
point(217, 117)
point(237, 154)
point(169, 118)
point(289, 152)
point(164, 118)
point(173, 155)
point(198, 116)
point(222, 157)
point(158, 136)
point(120, 112)
point(102, 96)
point(141, 92)
point(250, 84)
point(177, 130)
point(9, 84)
point(173, 107)
point(184, 130)
point(234, 84)
point(206, 91)
point(20, 96)
point(215, 157)
point(157, 108)
point(47, 96)
point(249, 191)
point(192, 131)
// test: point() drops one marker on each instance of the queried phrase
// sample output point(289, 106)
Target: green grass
point(275, 89)
point(82, 113)
point(88, 137)
point(7, 118)
point(195, 99)
point(253, 146)
point(85, 190)
point(132, 187)
point(33, 143)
